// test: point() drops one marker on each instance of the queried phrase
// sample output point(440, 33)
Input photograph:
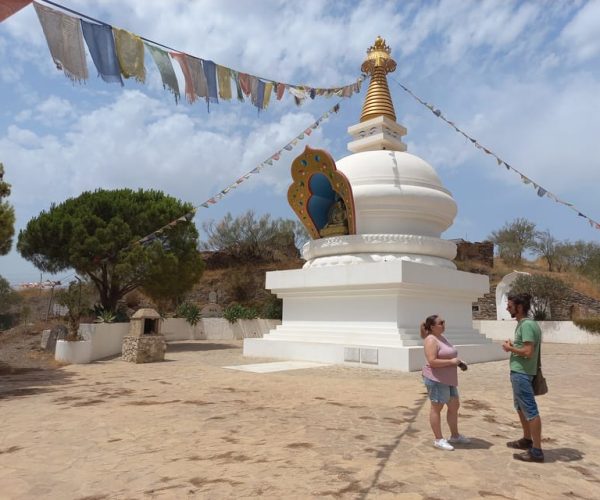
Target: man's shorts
point(523, 394)
point(438, 392)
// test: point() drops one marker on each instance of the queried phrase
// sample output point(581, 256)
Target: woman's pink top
point(448, 374)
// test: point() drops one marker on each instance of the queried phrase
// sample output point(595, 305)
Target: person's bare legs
point(535, 431)
point(435, 419)
point(452, 416)
point(525, 425)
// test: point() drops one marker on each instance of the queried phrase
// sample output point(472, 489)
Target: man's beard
point(513, 314)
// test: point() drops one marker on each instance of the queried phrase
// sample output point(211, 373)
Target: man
point(524, 355)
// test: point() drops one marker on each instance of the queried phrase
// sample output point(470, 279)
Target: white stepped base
point(405, 359)
point(369, 313)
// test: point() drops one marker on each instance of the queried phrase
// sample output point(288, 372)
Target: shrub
point(273, 308)
point(105, 316)
point(190, 312)
point(237, 311)
point(591, 325)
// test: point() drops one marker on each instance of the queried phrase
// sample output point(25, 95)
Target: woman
point(441, 379)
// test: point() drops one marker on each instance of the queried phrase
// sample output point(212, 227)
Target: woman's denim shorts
point(438, 392)
point(523, 394)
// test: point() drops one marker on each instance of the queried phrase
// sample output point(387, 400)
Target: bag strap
point(540, 351)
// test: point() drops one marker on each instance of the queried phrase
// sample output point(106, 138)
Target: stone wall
point(485, 307)
point(145, 349)
point(478, 251)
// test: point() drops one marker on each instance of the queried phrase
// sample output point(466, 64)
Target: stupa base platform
point(369, 314)
point(401, 358)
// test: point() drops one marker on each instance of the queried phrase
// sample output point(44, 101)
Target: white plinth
point(369, 314)
point(76, 352)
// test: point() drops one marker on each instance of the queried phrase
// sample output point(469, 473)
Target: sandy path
point(187, 428)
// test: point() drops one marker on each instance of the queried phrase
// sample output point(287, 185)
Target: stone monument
point(144, 344)
point(376, 265)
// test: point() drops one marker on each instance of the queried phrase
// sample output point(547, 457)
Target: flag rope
point(541, 192)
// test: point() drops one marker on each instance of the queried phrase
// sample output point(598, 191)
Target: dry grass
point(574, 280)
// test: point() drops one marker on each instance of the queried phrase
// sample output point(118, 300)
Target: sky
point(522, 77)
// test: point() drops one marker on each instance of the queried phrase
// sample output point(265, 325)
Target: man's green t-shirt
point(527, 331)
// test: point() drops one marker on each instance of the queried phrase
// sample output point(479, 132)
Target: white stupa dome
point(397, 193)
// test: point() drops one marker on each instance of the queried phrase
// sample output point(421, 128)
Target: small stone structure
point(478, 251)
point(144, 344)
point(212, 309)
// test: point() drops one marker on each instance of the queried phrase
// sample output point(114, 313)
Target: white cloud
point(580, 37)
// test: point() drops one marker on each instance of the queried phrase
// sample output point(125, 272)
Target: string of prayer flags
point(146, 240)
point(203, 78)
point(540, 191)
point(154, 235)
point(10, 7)
point(65, 41)
point(269, 161)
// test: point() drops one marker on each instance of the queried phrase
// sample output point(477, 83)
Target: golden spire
point(378, 101)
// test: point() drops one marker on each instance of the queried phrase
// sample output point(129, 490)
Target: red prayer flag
point(280, 90)
point(245, 83)
point(10, 7)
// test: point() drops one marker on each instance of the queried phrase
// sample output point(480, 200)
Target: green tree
point(7, 216)
point(544, 291)
point(513, 239)
point(77, 298)
point(246, 236)
point(8, 297)
point(96, 233)
point(549, 248)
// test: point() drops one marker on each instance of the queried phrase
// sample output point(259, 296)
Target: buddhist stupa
point(376, 265)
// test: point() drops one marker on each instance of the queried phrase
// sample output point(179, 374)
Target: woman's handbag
point(540, 387)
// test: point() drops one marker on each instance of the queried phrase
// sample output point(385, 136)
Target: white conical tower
point(361, 297)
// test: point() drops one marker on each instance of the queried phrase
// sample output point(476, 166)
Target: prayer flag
point(101, 44)
point(238, 86)
point(224, 79)
point(182, 59)
point(130, 53)
point(198, 78)
point(541, 192)
point(210, 73)
point(65, 41)
point(10, 7)
point(245, 83)
point(280, 90)
point(165, 68)
point(268, 91)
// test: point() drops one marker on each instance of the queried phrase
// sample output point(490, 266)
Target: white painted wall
point(107, 338)
point(554, 332)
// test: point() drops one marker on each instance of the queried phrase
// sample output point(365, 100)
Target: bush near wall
point(591, 325)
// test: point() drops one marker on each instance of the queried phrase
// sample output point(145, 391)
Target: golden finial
point(378, 64)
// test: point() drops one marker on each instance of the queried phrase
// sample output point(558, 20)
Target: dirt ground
point(190, 428)
point(20, 351)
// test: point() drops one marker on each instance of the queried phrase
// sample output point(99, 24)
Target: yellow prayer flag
point(130, 53)
point(224, 79)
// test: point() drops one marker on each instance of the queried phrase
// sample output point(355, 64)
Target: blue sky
point(521, 77)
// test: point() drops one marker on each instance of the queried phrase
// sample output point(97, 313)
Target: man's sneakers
point(442, 444)
point(460, 439)
point(531, 455)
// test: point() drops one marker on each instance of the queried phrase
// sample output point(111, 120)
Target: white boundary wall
point(107, 338)
point(554, 332)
